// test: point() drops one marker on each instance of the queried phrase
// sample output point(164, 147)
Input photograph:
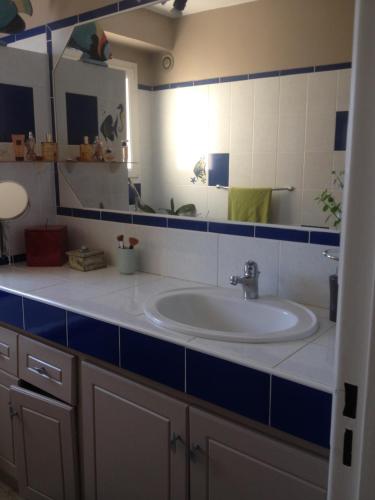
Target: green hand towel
point(249, 205)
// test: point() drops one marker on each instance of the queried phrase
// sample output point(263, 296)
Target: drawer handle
point(42, 371)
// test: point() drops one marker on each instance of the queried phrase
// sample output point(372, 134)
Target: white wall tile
point(217, 203)
point(265, 133)
point(192, 255)
point(266, 96)
point(153, 248)
point(339, 158)
point(343, 90)
point(219, 118)
point(234, 251)
point(317, 172)
point(321, 94)
point(286, 207)
point(291, 133)
point(304, 273)
point(264, 170)
point(312, 212)
point(240, 169)
point(241, 117)
point(293, 94)
point(320, 131)
point(289, 169)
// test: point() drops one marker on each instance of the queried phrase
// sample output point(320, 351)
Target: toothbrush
point(120, 240)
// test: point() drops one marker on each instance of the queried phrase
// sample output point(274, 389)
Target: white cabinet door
point(45, 445)
point(232, 462)
point(7, 458)
point(134, 440)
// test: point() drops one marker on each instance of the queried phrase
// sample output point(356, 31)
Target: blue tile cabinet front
point(242, 390)
point(293, 408)
point(301, 411)
point(11, 309)
point(45, 321)
point(93, 337)
point(153, 358)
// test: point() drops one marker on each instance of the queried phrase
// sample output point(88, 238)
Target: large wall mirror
point(218, 121)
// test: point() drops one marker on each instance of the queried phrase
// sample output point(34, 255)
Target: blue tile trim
point(129, 4)
point(67, 212)
point(327, 239)
point(63, 23)
point(264, 74)
point(233, 229)
point(243, 390)
point(86, 214)
point(117, 217)
point(46, 321)
point(333, 67)
point(207, 81)
point(93, 337)
point(11, 309)
point(100, 12)
point(301, 411)
point(341, 131)
point(38, 30)
point(144, 220)
point(296, 71)
point(181, 85)
point(153, 358)
point(235, 78)
point(191, 225)
point(5, 40)
point(274, 233)
point(162, 87)
point(142, 86)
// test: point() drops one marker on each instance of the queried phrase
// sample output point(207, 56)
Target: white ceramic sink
point(221, 314)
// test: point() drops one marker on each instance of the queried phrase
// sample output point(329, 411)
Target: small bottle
point(86, 152)
point(49, 149)
point(98, 150)
point(30, 148)
point(124, 151)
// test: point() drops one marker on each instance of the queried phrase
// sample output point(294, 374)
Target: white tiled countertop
point(118, 299)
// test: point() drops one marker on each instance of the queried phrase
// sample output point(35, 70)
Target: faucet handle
point(251, 269)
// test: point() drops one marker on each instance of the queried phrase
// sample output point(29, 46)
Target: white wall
point(279, 132)
point(29, 69)
point(296, 271)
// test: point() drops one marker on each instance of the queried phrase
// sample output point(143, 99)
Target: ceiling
point(194, 6)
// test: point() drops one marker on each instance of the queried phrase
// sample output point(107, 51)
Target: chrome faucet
point(249, 280)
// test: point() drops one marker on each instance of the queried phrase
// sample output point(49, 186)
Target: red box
point(46, 245)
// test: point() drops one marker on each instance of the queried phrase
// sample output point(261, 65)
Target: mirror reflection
point(189, 116)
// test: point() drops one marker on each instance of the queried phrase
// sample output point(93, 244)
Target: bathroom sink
point(221, 314)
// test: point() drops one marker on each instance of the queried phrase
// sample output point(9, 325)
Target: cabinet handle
point(41, 370)
point(12, 412)
point(176, 438)
point(194, 450)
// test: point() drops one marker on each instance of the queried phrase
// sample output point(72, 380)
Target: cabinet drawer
point(8, 351)
point(48, 369)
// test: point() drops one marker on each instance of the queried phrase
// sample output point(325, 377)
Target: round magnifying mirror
point(14, 200)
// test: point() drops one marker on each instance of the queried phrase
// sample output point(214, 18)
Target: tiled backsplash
point(279, 129)
point(291, 269)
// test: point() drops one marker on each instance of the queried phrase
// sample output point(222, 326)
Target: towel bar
point(290, 188)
